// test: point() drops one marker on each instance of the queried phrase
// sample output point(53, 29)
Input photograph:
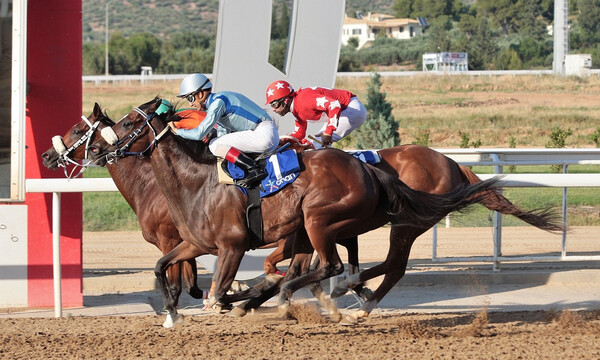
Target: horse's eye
point(77, 132)
point(127, 124)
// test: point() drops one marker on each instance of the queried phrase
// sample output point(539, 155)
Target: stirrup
point(252, 179)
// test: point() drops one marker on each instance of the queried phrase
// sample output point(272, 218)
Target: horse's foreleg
point(182, 252)
point(190, 279)
point(228, 264)
point(174, 281)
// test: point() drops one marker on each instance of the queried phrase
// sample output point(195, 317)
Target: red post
point(53, 106)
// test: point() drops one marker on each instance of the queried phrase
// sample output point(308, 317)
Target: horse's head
point(134, 134)
point(69, 147)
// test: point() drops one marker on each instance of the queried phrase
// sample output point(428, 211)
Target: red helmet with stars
point(278, 89)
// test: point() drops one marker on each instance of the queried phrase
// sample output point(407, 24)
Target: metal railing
point(500, 157)
point(491, 157)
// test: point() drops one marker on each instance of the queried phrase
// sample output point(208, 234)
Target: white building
point(372, 25)
point(446, 61)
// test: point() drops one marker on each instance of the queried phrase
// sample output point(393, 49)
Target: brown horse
point(427, 170)
point(151, 206)
point(351, 199)
point(135, 180)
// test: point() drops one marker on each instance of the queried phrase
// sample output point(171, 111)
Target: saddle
point(282, 169)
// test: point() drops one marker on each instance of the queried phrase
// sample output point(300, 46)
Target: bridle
point(63, 151)
point(124, 144)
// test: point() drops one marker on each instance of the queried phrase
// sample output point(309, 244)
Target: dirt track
point(310, 334)
point(522, 335)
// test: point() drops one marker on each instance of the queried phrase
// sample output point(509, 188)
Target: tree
point(529, 20)
point(503, 13)
point(480, 45)
point(439, 34)
point(280, 25)
point(403, 8)
point(508, 59)
point(93, 59)
point(380, 130)
point(589, 21)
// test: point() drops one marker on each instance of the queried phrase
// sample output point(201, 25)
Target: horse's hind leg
point(331, 265)
point(182, 252)
point(272, 284)
point(393, 267)
point(351, 246)
point(282, 252)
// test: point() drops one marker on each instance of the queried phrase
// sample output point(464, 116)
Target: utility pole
point(561, 36)
point(106, 41)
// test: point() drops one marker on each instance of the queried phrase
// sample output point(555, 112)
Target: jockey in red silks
point(342, 110)
point(242, 125)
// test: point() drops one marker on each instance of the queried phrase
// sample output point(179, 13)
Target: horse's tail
point(416, 208)
point(543, 218)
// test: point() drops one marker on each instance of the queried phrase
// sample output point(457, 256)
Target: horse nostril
point(45, 156)
point(94, 149)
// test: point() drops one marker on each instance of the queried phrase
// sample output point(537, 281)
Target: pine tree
point(380, 130)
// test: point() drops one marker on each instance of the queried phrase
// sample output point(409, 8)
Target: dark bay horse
point(150, 206)
point(135, 180)
point(335, 197)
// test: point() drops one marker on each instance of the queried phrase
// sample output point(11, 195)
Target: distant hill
point(166, 17)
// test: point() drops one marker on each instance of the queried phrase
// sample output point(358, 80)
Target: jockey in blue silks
point(242, 125)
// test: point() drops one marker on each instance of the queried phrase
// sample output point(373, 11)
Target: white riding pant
point(263, 138)
point(351, 117)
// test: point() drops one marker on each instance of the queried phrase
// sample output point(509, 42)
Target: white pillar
point(561, 36)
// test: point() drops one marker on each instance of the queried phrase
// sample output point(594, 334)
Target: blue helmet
point(194, 83)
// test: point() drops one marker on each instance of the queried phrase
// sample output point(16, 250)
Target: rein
point(129, 140)
point(63, 152)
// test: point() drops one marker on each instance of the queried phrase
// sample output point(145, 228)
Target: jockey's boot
point(254, 173)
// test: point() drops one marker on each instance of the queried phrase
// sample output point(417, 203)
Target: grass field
point(492, 109)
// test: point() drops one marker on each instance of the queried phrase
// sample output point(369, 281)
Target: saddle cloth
point(367, 156)
point(282, 169)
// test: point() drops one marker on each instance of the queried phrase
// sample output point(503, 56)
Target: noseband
point(124, 144)
point(63, 152)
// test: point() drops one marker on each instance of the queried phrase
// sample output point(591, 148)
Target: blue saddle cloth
point(282, 169)
point(367, 156)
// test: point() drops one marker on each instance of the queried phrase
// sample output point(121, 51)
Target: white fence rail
point(98, 79)
point(490, 157)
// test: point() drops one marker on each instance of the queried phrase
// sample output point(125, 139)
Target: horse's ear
point(97, 110)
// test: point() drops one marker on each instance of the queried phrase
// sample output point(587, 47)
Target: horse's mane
point(104, 119)
point(196, 150)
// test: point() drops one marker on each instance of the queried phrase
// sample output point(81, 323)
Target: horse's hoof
point(283, 309)
point(361, 314)
point(222, 308)
point(349, 320)
point(365, 294)
point(209, 303)
point(337, 292)
point(173, 321)
point(237, 312)
point(336, 316)
point(273, 279)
